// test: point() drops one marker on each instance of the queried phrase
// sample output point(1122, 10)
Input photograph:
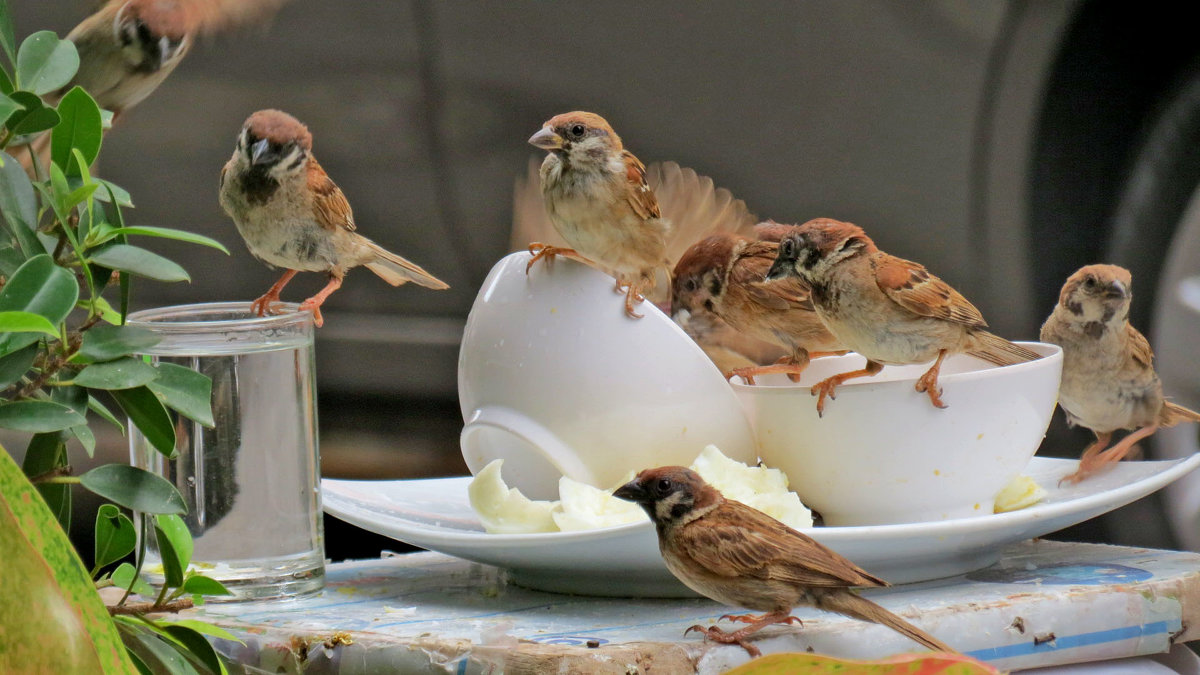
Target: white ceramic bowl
point(882, 454)
point(556, 380)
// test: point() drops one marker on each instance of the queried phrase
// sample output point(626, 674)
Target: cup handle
point(538, 465)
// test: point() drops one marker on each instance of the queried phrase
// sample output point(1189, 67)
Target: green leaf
point(113, 193)
point(174, 547)
point(74, 398)
point(124, 373)
point(100, 306)
point(149, 416)
point(198, 646)
point(6, 85)
point(105, 343)
point(8, 39)
point(13, 366)
point(10, 257)
point(123, 576)
point(45, 63)
point(134, 488)
point(44, 453)
point(116, 537)
point(34, 118)
point(25, 322)
point(161, 655)
point(105, 414)
point(80, 128)
point(186, 391)
point(18, 204)
point(54, 621)
point(38, 287)
point(86, 438)
point(169, 233)
point(204, 627)
point(38, 416)
point(202, 585)
point(139, 261)
point(7, 105)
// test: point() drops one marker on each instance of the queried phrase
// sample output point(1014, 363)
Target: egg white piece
point(504, 510)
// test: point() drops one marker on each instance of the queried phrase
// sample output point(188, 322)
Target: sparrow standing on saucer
point(292, 215)
point(1108, 378)
point(742, 557)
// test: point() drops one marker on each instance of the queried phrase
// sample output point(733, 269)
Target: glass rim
point(159, 318)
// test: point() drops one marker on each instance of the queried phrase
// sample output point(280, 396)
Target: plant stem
point(162, 595)
point(139, 608)
point(57, 480)
point(141, 557)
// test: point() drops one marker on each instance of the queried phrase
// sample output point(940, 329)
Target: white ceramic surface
point(556, 380)
point(883, 454)
point(624, 560)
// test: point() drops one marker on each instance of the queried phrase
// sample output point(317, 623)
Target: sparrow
point(598, 199)
point(128, 48)
point(726, 274)
point(1108, 379)
point(890, 310)
point(292, 215)
point(742, 557)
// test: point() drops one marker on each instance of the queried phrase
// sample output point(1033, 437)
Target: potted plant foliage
point(67, 265)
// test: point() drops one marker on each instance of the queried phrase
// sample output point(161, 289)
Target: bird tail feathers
point(995, 349)
point(844, 601)
point(1173, 414)
point(396, 270)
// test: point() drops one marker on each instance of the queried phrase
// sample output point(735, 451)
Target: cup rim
point(156, 319)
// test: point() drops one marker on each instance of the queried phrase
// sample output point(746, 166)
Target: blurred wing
point(329, 204)
point(211, 16)
point(641, 197)
point(694, 207)
point(530, 222)
point(912, 287)
point(738, 541)
point(772, 231)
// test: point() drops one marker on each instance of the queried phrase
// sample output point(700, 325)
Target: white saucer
point(624, 560)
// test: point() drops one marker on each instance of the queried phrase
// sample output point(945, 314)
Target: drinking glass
point(252, 482)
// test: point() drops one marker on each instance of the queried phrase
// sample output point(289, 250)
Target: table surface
point(1045, 603)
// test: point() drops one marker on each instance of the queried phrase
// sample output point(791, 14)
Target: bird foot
point(737, 637)
point(930, 387)
point(262, 306)
point(750, 618)
point(315, 308)
point(541, 251)
point(825, 388)
point(633, 296)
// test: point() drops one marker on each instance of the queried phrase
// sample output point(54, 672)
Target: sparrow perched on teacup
point(742, 557)
point(128, 47)
point(597, 197)
point(890, 310)
point(726, 274)
point(1108, 378)
point(292, 215)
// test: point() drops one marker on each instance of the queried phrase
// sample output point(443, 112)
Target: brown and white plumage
point(1108, 381)
point(292, 215)
point(597, 197)
point(726, 274)
point(890, 310)
point(741, 557)
point(128, 48)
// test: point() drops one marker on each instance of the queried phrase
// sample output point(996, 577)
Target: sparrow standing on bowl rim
point(1108, 378)
point(726, 274)
point(742, 557)
point(890, 310)
point(292, 215)
point(598, 199)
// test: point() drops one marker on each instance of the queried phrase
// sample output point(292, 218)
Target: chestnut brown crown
point(668, 493)
point(1105, 286)
point(279, 128)
point(692, 284)
point(562, 131)
point(806, 246)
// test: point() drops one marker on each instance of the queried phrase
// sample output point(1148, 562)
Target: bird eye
point(663, 486)
point(1089, 282)
point(788, 248)
point(691, 284)
point(577, 131)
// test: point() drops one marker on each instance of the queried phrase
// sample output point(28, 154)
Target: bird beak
point(259, 152)
point(546, 139)
point(631, 491)
point(1115, 289)
point(779, 269)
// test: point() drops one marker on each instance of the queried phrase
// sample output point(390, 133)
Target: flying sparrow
point(890, 310)
point(1108, 378)
point(292, 214)
point(742, 557)
point(598, 199)
point(726, 274)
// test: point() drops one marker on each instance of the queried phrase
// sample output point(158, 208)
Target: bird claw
point(262, 306)
point(746, 374)
point(717, 635)
point(315, 308)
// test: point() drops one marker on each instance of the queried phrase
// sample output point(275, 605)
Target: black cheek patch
point(680, 510)
point(811, 258)
point(1074, 307)
point(715, 287)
